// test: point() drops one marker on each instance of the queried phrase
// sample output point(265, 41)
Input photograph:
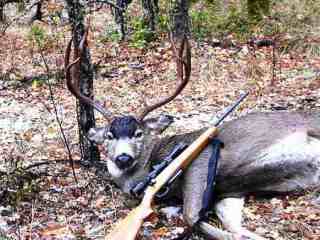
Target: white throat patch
point(113, 169)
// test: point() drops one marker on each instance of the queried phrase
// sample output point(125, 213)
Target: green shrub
point(295, 26)
point(163, 23)
point(3, 237)
point(111, 34)
point(37, 35)
point(141, 35)
point(201, 27)
point(211, 18)
point(18, 184)
point(214, 20)
point(235, 21)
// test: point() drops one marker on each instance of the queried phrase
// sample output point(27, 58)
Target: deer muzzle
point(124, 161)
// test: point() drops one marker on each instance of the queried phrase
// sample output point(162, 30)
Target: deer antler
point(74, 77)
point(183, 74)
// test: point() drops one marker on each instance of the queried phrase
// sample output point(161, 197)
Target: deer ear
point(97, 135)
point(158, 124)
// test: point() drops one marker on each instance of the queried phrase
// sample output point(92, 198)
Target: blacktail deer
point(264, 152)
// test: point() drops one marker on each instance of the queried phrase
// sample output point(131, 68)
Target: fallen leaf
point(56, 229)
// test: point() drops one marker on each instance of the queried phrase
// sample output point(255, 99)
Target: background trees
point(274, 54)
point(257, 9)
point(86, 120)
point(141, 24)
point(3, 3)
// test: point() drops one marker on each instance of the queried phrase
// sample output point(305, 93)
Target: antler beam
point(183, 74)
point(73, 77)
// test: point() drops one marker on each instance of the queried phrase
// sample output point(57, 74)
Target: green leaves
point(37, 35)
point(141, 35)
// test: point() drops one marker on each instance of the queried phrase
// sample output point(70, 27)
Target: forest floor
point(63, 209)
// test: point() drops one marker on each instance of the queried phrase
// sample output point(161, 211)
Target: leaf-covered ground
point(63, 209)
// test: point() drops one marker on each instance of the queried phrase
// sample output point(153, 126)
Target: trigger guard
point(163, 192)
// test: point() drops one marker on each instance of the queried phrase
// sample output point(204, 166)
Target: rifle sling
point(208, 195)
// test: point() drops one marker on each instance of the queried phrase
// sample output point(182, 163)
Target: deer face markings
point(127, 138)
point(124, 142)
point(128, 141)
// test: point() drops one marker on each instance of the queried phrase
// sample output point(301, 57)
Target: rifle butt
point(128, 228)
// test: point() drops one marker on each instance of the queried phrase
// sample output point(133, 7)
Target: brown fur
point(252, 161)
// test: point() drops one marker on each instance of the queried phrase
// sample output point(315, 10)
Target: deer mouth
point(127, 168)
point(118, 171)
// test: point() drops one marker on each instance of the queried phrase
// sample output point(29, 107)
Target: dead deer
point(264, 152)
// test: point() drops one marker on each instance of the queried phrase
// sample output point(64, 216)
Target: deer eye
point(138, 134)
point(110, 136)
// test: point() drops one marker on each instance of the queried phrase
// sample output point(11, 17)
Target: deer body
point(257, 146)
point(276, 152)
point(264, 153)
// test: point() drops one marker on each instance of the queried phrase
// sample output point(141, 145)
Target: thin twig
point(273, 65)
point(56, 114)
point(38, 164)
point(32, 218)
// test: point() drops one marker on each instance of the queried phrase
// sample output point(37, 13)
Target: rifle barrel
point(230, 109)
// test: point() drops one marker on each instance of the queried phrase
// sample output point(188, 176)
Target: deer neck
point(141, 170)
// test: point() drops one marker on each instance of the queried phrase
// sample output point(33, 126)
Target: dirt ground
point(64, 209)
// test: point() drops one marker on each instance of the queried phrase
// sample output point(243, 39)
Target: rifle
point(128, 228)
point(139, 188)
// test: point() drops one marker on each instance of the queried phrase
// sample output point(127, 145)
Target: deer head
point(128, 140)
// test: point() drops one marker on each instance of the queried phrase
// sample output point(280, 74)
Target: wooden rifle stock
point(128, 228)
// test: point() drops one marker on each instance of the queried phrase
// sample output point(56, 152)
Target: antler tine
point(183, 72)
point(74, 77)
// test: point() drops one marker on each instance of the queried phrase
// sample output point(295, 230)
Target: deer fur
point(264, 153)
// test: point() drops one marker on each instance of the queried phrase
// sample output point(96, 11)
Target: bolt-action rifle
point(128, 228)
point(150, 179)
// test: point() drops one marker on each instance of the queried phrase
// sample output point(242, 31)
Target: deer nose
point(124, 160)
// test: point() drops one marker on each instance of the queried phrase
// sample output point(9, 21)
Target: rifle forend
point(139, 188)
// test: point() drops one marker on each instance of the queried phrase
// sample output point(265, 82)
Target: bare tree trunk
point(180, 18)
point(38, 14)
point(2, 16)
point(2, 5)
point(150, 13)
point(119, 16)
point(86, 118)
